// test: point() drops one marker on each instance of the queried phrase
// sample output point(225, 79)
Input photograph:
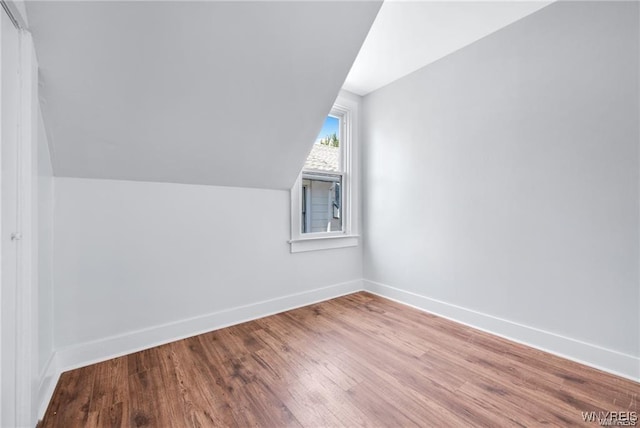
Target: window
point(323, 208)
point(322, 177)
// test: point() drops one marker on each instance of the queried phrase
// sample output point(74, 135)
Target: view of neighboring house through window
point(322, 182)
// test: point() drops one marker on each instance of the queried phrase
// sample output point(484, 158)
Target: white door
point(9, 114)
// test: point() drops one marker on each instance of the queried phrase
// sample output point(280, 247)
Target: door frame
point(24, 306)
point(27, 273)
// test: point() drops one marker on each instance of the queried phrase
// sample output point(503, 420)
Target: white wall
point(503, 179)
point(45, 249)
point(138, 255)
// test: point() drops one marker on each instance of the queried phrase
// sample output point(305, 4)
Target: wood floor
point(358, 360)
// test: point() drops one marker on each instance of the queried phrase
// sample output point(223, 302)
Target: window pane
point(321, 203)
point(325, 154)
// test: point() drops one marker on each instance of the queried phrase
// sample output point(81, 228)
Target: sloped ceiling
point(222, 93)
point(408, 35)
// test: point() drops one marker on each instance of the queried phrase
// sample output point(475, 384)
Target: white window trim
point(345, 107)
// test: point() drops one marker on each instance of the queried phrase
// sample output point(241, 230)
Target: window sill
point(323, 243)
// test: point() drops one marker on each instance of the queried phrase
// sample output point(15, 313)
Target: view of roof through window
point(325, 154)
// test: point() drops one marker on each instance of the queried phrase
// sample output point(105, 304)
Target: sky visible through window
point(329, 128)
point(325, 153)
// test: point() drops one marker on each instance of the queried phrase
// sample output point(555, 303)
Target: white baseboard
point(48, 380)
point(592, 355)
point(115, 346)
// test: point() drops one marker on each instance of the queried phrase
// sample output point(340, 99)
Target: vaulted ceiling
point(408, 35)
point(223, 93)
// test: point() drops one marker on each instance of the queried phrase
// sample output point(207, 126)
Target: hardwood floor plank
point(72, 399)
point(358, 360)
point(110, 391)
point(239, 387)
point(427, 397)
point(142, 361)
point(145, 390)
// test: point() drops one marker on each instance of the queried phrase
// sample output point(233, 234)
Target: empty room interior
point(319, 213)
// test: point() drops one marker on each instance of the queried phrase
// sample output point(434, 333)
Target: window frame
point(346, 110)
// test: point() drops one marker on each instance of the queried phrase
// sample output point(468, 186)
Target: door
point(9, 116)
